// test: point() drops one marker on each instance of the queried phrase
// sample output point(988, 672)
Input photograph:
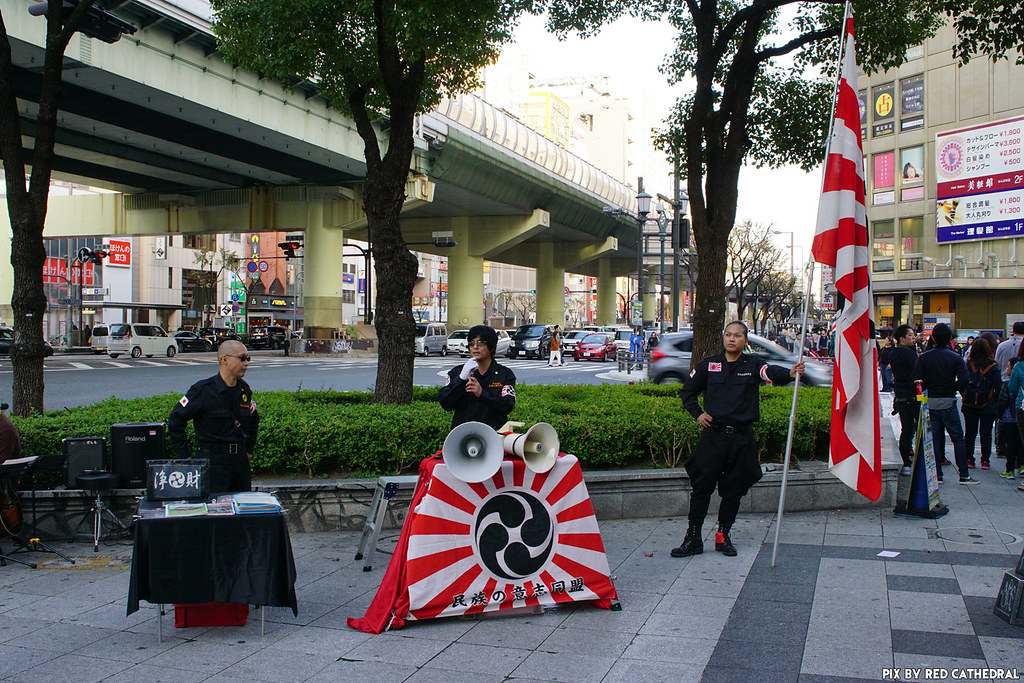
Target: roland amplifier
point(131, 445)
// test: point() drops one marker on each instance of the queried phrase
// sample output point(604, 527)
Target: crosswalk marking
point(442, 365)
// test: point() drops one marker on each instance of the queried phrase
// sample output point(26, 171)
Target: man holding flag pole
point(841, 241)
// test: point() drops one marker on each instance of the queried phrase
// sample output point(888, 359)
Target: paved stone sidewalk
point(831, 610)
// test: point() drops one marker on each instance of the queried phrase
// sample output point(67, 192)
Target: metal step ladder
point(386, 489)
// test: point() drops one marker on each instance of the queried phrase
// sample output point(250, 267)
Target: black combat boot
point(723, 543)
point(693, 544)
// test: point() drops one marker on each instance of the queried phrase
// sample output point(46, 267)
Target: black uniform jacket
point(730, 389)
point(221, 415)
point(497, 398)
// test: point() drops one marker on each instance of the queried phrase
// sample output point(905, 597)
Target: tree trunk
point(395, 268)
point(29, 305)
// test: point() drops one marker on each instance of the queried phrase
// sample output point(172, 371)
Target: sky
point(630, 51)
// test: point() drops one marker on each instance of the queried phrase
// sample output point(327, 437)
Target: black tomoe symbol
point(514, 535)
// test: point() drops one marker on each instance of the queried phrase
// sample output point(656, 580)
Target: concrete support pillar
point(651, 303)
point(550, 287)
point(322, 273)
point(465, 280)
point(607, 299)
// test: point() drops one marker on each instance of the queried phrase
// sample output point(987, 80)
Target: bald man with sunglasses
point(225, 419)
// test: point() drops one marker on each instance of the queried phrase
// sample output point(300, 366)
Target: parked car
point(622, 338)
point(190, 341)
point(7, 341)
point(431, 338)
point(100, 338)
point(268, 337)
point(218, 335)
point(532, 340)
point(457, 342)
point(670, 361)
point(140, 340)
point(596, 346)
point(504, 341)
point(571, 339)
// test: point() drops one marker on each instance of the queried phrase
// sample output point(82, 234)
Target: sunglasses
point(244, 358)
point(476, 343)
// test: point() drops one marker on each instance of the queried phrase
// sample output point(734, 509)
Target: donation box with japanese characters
point(184, 479)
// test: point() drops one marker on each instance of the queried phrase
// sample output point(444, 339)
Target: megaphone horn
point(472, 452)
point(538, 447)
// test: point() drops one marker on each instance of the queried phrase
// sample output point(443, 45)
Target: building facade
point(945, 182)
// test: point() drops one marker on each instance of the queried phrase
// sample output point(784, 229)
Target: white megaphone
point(538, 447)
point(472, 452)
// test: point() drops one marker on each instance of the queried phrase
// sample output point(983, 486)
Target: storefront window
point(911, 234)
point(883, 246)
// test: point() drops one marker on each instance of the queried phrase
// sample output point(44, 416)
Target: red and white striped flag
point(841, 241)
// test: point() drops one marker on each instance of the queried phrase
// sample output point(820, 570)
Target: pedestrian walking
point(902, 360)
point(979, 400)
point(1015, 388)
point(942, 372)
point(884, 355)
point(225, 419)
point(554, 348)
point(726, 453)
point(636, 350)
point(1009, 444)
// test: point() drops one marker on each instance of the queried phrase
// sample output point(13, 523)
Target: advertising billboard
point(980, 182)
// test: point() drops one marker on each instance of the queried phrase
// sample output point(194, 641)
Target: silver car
point(670, 361)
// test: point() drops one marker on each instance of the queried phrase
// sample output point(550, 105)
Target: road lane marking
point(117, 364)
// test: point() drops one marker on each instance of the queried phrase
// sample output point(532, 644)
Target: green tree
point(380, 62)
point(27, 202)
point(763, 87)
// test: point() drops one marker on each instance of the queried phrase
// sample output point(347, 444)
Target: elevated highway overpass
point(190, 143)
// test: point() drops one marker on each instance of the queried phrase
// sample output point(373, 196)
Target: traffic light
point(593, 291)
point(533, 291)
point(95, 23)
point(87, 255)
point(684, 233)
point(289, 248)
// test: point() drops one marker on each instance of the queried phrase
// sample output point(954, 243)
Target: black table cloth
point(231, 558)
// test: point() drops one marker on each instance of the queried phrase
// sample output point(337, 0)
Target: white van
point(140, 340)
point(431, 338)
point(100, 338)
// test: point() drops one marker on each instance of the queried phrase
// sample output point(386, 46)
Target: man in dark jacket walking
point(942, 373)
point(902, 360)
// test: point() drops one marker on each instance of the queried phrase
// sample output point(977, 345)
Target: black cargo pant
point(725, 457)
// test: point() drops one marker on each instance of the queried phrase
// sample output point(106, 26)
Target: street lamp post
point(367, 315)
point(792, 262)
point(680, 240)
point(643, 207)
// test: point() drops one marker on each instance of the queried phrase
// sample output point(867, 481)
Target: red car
point(597, 346)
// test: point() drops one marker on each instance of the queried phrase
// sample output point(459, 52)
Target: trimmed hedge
point(330, 433)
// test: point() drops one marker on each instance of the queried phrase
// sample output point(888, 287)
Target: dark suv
point(218, 335)
point(532, 340)
point(269, 337)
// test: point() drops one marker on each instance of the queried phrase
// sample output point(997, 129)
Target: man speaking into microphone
point(481, 390)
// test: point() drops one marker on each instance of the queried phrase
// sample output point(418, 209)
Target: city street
point(75, 380)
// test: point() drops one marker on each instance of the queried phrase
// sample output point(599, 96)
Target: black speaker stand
point(43, 463)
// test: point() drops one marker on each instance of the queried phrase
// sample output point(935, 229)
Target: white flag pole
point(792, 412)
point(810, 272)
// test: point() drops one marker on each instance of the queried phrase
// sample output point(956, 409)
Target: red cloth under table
point(518, 539)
